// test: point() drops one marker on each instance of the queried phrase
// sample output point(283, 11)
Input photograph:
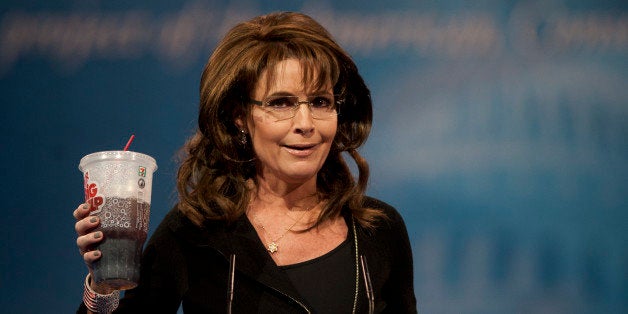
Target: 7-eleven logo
point(141, 171)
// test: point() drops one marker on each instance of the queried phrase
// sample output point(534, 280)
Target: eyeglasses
point(322, 107)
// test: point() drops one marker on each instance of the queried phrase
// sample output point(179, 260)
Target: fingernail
point(96, 253)
point(93, 219)
point(97, 235)
point(85, 206)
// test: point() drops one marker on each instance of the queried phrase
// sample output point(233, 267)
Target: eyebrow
point(280, 93)
point(286, 93)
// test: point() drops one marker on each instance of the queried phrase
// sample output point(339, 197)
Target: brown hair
point(213, 174)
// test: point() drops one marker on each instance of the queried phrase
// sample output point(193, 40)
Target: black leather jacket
point(183, 263)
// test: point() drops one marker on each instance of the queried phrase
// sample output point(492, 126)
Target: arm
point(86, 240)
point(399, 289)
point(163, 276)
point(401, 282)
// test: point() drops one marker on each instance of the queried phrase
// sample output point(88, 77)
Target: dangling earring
point(243, 139)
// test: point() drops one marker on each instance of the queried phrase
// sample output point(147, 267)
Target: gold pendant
point(272, 247)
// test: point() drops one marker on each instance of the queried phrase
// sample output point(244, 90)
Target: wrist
point(98, 302)
point(99, 289)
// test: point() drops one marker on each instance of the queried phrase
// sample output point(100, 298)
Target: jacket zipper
point(231, 288)
point(293, 299)
point(371, 297)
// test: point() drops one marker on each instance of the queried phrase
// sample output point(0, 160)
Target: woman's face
point(292, 150)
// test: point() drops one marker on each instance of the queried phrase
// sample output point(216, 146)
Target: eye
point(283, 102)
point(322, 102)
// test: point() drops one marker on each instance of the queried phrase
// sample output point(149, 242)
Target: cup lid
point(117, 155)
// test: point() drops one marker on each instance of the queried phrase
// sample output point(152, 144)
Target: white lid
point(117, 155)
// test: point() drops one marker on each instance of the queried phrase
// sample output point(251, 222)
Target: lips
point(301, 150)
point(300, 146)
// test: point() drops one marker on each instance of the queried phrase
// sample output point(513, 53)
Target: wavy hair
point(216, 166)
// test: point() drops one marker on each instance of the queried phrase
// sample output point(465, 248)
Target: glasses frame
point(338, 100)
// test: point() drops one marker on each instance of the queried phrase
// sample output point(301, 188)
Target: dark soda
point(124, 223)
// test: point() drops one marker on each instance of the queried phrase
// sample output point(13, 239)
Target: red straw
point(126, 147)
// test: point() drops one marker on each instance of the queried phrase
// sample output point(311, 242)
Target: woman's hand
point(87, 238)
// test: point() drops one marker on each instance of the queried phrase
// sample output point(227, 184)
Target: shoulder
point(177, 229)
point(173, 222)
point(176, 226)
point(380, 205)
point(171, 244)
point(163, 238)
point(391, 215)
point(389, 236)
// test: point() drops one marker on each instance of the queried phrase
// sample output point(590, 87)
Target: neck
point(282, 195)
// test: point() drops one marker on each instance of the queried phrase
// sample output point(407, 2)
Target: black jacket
point(185, 263)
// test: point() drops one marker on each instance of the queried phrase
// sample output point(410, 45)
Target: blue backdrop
point(501, 134)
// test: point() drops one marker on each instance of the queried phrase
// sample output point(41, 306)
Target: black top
point(187, 265)
point(327, 283)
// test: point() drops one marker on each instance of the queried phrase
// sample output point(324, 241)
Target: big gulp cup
point(118, 188)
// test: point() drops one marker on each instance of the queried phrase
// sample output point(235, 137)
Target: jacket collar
point(239, 238)
point(252, 260)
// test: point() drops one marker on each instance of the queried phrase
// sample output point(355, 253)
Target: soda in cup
point(118, 187)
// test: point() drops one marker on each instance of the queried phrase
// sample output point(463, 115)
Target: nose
point(303, 121)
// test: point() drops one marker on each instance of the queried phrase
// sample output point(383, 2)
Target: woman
point(270, 218)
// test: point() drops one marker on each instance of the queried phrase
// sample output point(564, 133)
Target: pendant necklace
point(273, 247)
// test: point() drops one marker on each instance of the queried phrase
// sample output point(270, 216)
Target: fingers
point(81, 211)
point(87, 239)
point(86, 224)
point(86, 243)
point(91, 256)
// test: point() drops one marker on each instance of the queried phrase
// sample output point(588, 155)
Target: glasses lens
point(282, 107)
point(285, 107)
point(280, 103)
point(322, 106)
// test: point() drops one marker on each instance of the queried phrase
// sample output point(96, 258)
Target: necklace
point(273, 247)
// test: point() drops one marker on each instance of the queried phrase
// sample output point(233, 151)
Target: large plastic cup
point(118, 187)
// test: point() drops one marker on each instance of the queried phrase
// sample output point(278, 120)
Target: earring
point(243, 139)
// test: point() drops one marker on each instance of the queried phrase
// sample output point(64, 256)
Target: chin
point(301, 175)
